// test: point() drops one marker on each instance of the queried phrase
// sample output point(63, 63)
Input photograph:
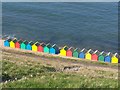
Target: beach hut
point(23, 44)
point(88, 54)
point(114, 58)
point(108, 57)
point(17, 44)
point(37, 44)
point(29, 45)
point(54, 49)
point(82, 53)
point(15, 41)
point(76, 53)
point(41, 47)
point(7, 43)
point(34, 47)
point(101, 56)
point(63, 51)
point(69, 52)
point(47, 48)
point(95, 55)
point(12, 43)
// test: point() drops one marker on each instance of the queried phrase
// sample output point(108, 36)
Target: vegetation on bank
point(36, 76)
point(28, 71)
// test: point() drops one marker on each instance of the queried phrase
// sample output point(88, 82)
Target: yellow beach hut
point(88, 55)
point(12, 43)
point(34, 47)
point(114, 58)
point(63, 51)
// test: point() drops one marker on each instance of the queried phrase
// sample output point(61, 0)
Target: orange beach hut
point(69, 52)
point(95, 55)
point(17, 44)
point(41, 47)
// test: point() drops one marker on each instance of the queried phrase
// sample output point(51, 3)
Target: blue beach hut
point(7, 43)
point(29, 45)
point(82, 53)
point(107, 58)
point(54, 49)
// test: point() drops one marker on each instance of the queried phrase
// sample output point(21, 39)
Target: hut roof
point(15, 40)
point(71, 49)
point(116, 55)
point(25, 42)
point(20, 41)
point(109, 54)
point(37, 43)
point(96, 52)
point(55, 46)
point(84, 50)
point(90, 51)
point(9, 39)
point(48, 45)
point(42, 44)
point(102, 53)
point(76, 50)
point(65, 48)
point(31, 42)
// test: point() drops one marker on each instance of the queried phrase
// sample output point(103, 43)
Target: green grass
point(47, 77)
point(10, 71)
point(61, 80)
point(25, 72)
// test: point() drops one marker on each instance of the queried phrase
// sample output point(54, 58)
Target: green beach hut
point(76, 53)
point(47, 48)
point(23, 44)
point(101, 56)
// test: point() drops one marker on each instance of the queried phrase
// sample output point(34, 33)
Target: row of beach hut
point(64, 51)
point(40, 47)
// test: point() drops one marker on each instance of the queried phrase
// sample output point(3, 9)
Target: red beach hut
point(17, 44)
point(41, 47)
point(69, 52)
point(95, 55)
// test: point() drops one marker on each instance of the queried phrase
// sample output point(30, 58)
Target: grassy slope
point(27, 69)
point(37, 75)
